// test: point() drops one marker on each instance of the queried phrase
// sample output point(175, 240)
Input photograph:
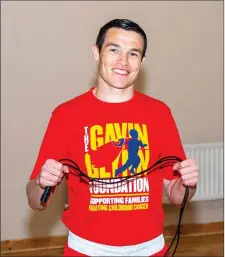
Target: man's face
point(120, 58)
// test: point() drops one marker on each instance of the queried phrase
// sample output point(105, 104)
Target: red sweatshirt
point(111, 140)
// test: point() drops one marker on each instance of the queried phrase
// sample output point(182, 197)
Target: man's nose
point(122, 59)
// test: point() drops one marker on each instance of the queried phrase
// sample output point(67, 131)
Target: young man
point(113, 131)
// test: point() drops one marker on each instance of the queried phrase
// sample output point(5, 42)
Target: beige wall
point(47, 59)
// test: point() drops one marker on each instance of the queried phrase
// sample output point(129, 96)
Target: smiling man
point(113, 131)
point(120, 59)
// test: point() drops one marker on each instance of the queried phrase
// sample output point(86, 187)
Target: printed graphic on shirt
point(113, 151)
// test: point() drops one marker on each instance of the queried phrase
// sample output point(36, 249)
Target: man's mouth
point(120, 72)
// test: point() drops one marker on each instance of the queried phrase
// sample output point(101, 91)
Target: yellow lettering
point(109, 133)
point(102, 207)
point(115, 164)
point(120, 133)
point(96, 141)
point(92, 172)
point(142, 134)
point(145, 157)
point(140, 206)
point(112, 132)
point(124, 160)
point(121, 207)
point(130, 126)
point(93, 208)
point(104, 173)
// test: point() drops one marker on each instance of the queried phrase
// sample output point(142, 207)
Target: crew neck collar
point(99, 101)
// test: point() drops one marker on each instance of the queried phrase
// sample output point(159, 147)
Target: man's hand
point(189, 172)
point(51, 173)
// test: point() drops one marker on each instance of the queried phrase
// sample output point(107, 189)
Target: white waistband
point(94, 249)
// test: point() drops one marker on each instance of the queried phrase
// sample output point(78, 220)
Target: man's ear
point(142, 61)
point(95, 52)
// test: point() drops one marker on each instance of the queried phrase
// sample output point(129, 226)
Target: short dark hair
point(122, 24)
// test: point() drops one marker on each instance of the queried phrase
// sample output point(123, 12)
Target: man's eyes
point(134, 54)
point(114, 50)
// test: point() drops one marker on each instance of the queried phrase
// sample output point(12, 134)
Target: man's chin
point(119, 86)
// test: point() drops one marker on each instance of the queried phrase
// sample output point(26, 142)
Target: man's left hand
point(189, 172)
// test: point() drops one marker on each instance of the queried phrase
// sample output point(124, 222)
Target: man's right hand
point(51, 173)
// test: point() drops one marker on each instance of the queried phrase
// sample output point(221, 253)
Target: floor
point(189, 245)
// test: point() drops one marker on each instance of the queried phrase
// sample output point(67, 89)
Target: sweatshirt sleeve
point(53, 144)
point(170, 143)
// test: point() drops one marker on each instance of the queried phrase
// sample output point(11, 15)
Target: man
point(126, 219)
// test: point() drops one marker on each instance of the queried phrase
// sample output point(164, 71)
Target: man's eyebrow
point(112, 44)
point(131, 50)
point(136, 50)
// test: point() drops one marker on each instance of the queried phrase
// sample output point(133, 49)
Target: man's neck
point(110, 94)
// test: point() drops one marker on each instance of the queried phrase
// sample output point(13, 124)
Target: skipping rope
point(160, 164)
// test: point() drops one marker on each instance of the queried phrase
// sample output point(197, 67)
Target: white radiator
point(209, 157)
